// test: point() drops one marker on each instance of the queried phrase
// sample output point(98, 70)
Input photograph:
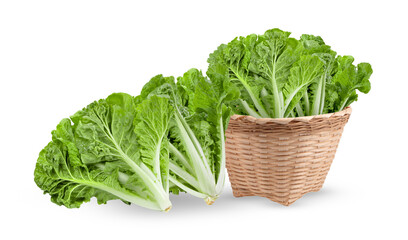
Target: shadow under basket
point(282, 159)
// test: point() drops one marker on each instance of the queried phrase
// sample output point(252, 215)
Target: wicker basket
point(282, 159)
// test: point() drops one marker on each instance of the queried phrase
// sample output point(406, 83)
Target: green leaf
point(272, 59)
point(314, 45)
point(151, 127)
point(350, 78)
point(104, 130)
point(232, 62)
point(61, 173)
point(156, 85)
point(307, 70)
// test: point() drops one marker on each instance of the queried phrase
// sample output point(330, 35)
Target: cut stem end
point(167, 209)
point(209, 200)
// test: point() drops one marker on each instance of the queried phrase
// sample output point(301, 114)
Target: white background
point(58, 56)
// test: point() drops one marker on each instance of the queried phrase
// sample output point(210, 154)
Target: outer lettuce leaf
point(151, 127)
point(61, 173)
point(105, 155)
point(313, 101)
point(104, 130)
point(234, 58)
point(272, 60)
point(348, 79)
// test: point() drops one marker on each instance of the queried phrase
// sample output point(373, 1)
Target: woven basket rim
point(261, 121)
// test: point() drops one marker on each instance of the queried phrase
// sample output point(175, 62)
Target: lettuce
point(197, 141)
point(279, 76)
point(115, 148)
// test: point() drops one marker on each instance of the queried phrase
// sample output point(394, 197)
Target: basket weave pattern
point(282, 159)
